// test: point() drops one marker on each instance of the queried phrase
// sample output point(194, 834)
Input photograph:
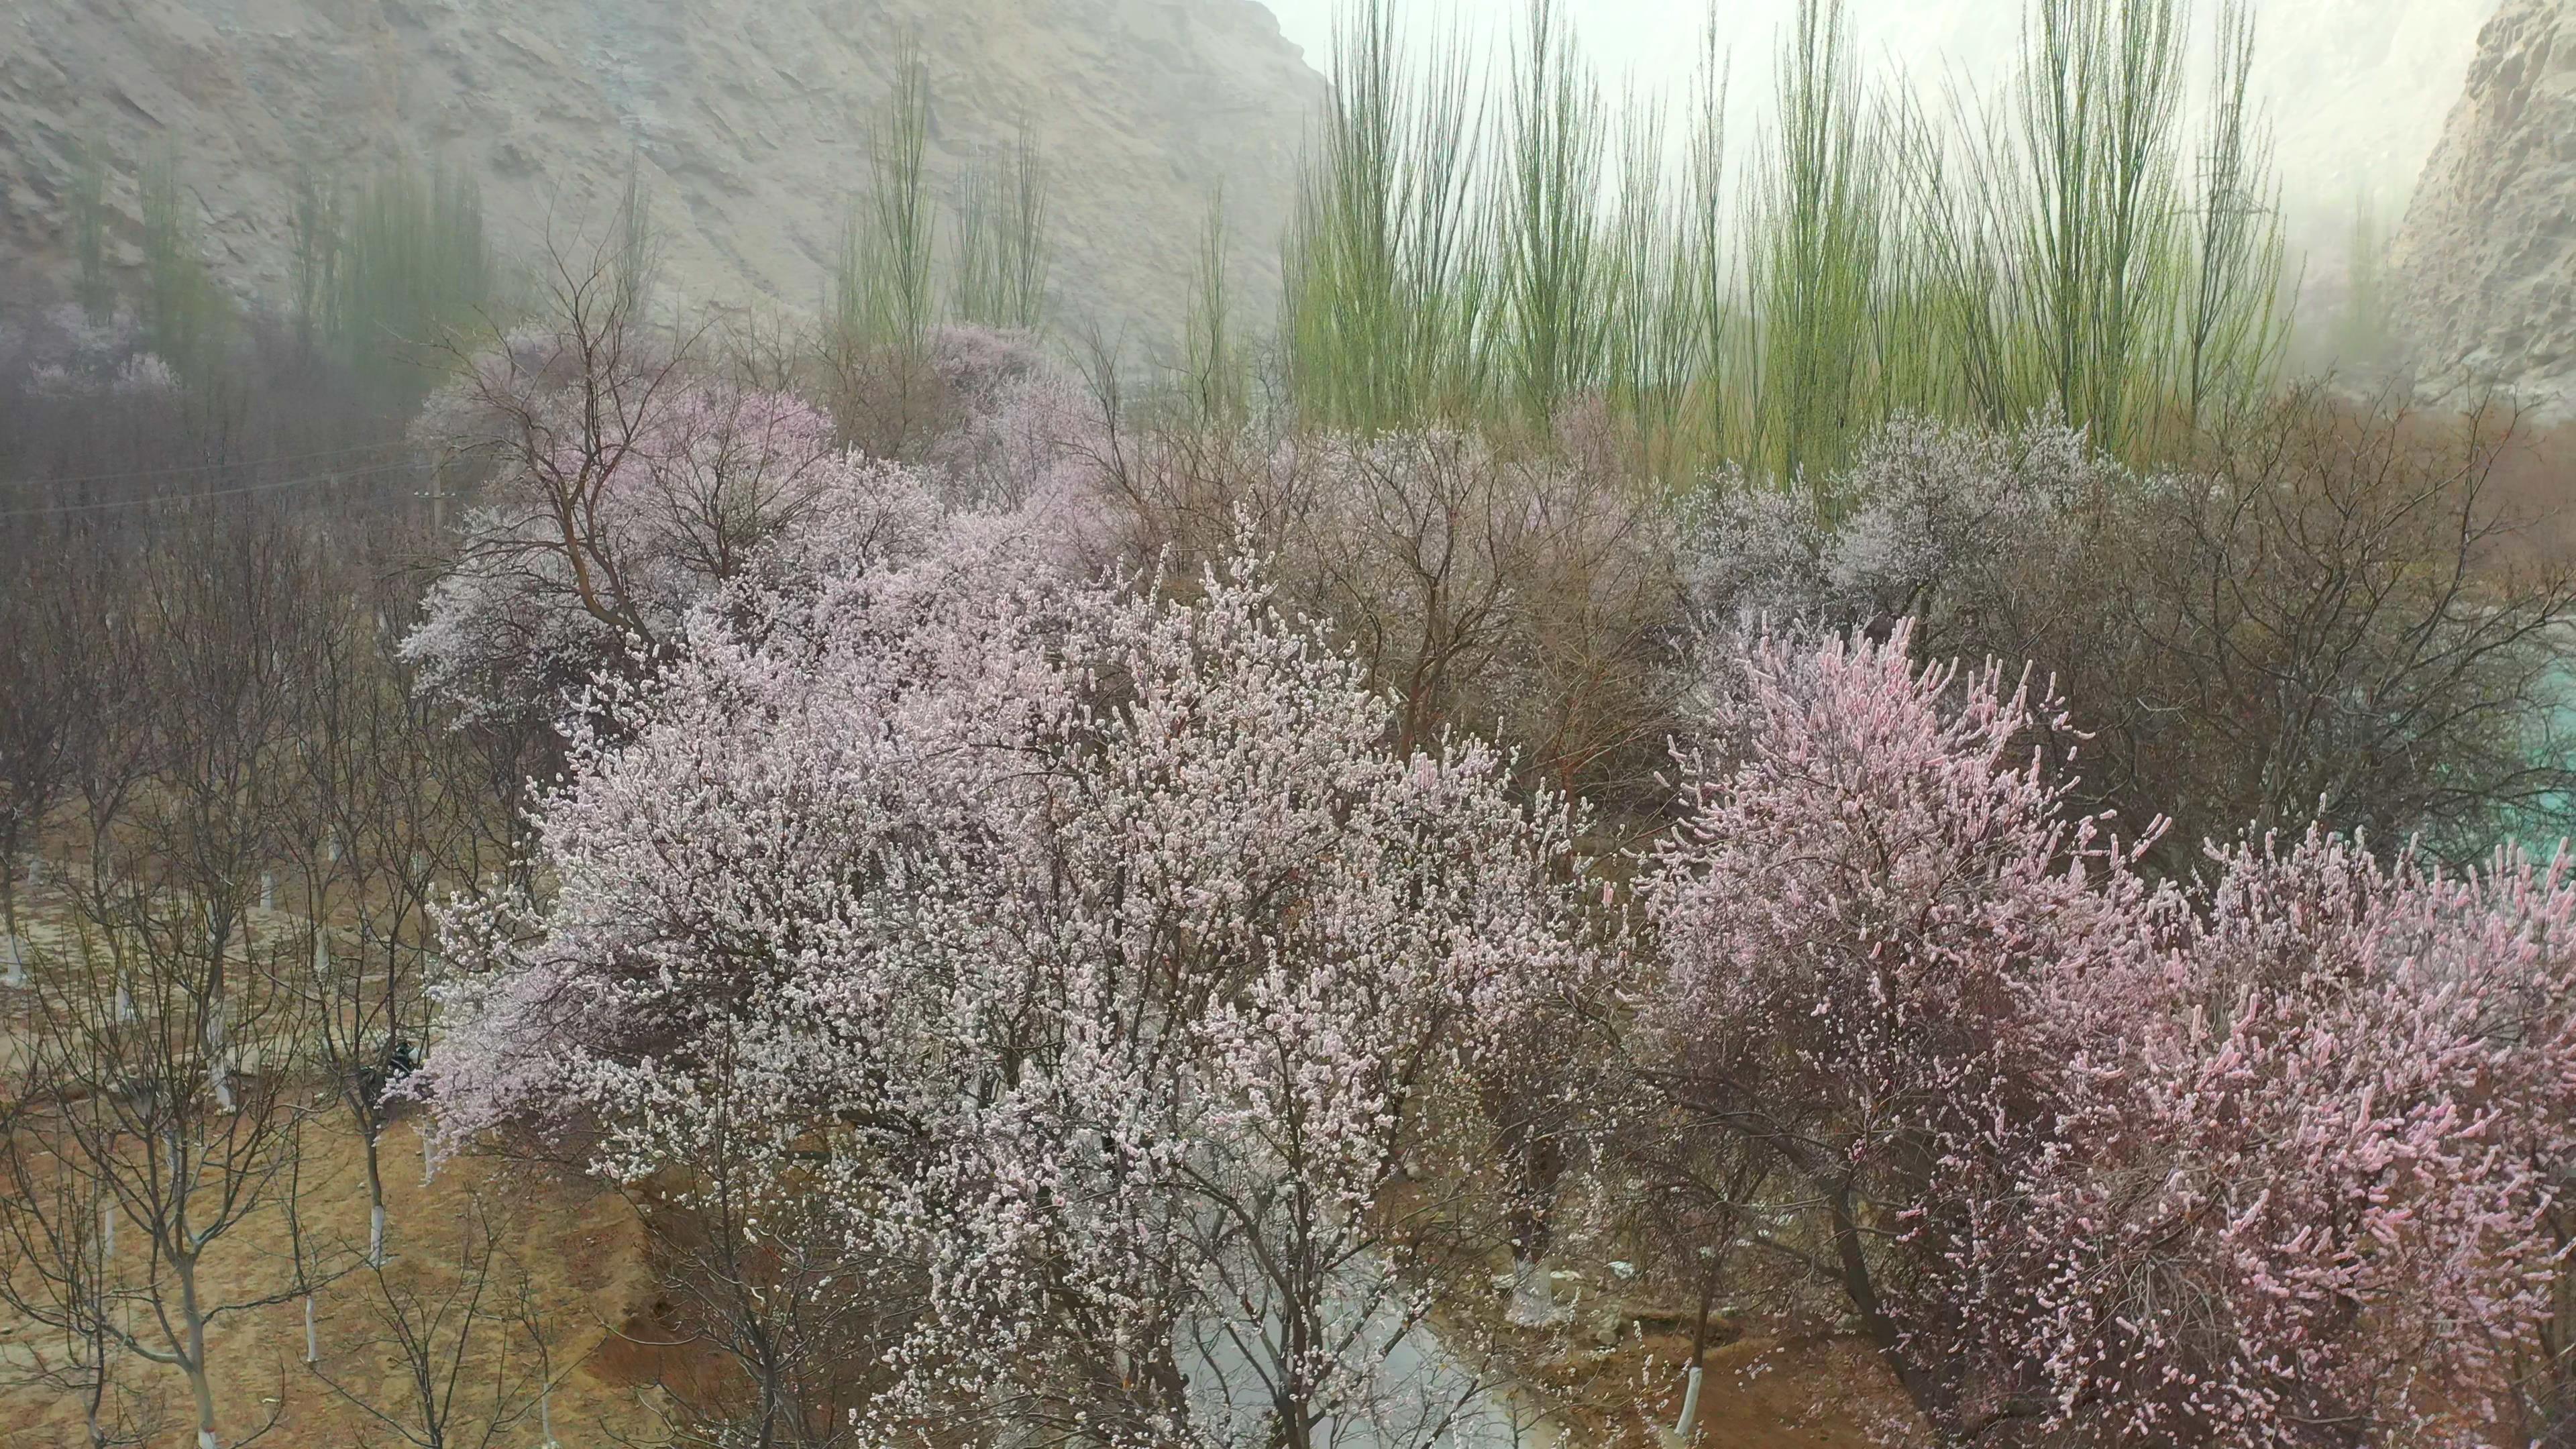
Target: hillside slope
point(2486, 262)
point(745, 120)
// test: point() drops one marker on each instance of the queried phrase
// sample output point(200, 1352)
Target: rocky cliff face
point(2485, 264)
point(744, 120)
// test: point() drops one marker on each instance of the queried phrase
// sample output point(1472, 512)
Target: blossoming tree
point(2272, 1160)
point(1094, 957)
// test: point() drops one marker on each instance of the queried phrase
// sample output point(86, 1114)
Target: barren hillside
point(745, 120)
point(2487, 253)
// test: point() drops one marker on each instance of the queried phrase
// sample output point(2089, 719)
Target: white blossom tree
point(1090, 950)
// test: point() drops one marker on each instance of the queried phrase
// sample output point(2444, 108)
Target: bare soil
point(582, 1250)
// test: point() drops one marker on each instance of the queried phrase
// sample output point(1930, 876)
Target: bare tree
point(554, 416)
point(2340, 617)
point(43, 633)
point(159, 1087)
point(161, 1054)
point(387, 804)
point(1527, 588)
point(58, 1229)
point(464, 1336)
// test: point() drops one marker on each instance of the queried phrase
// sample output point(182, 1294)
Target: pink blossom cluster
point(602, 533)
point(1021, 426)
point(1926, 508)
point(1091, 946)
point(2263, 1161)
point(1151, 1001)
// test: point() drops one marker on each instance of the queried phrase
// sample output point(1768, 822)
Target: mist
point(2356, 90)
point(1124, 724)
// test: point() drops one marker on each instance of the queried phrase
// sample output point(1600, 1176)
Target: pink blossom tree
point(1093, 953)
point(2323, 1156)
point(1869, 876)
point(2270, 1161)
point(593, 544)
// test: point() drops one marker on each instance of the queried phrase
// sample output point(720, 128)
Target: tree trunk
point(1863, 1295)
point(1533, 1299)
point(200, 1386)
point(1689, 1419)
point(1690, 1407)
point(98, 1383)
point(13, 952)
point(375, 1202)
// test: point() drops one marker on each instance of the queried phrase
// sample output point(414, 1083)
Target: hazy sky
point(1655, 40)
point(1657, 43)
point(2357, 89)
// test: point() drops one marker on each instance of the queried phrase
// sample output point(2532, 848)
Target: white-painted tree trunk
point(17, 964)
point(268, 890)
point(376, 1236)
point(1690, 1408)
point(321, 956)
point(313, 1341)
point(192, 1321)
point(1533, 1302)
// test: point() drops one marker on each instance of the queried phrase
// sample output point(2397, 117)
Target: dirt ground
point(584, 1254)
point(581, 1250)
point(1771, 1388)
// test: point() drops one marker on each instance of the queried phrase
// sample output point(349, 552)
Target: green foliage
point(2095, 226)
point(882, 289)
point(2235, 333)
point(998, 257)
point(1213, 364)
point(316, 224)
point(1695, 324)
point(185, 315)
point(2070, 247)
point(1820, 238)
point(638, 267)
point(2362, 337)
point(1024, 252)
point(400, 267)
point(1386, 290)
point(1560, 277)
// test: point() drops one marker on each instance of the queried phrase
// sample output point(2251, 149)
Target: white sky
point(2357, 89)
point(1657, 43)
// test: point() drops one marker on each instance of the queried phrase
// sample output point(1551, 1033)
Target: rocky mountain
point(744, 121)
point(2485, 265)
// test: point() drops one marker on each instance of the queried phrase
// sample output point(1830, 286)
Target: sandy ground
point(584, 1255)
point(582, 1252)
point(1773, 1388)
